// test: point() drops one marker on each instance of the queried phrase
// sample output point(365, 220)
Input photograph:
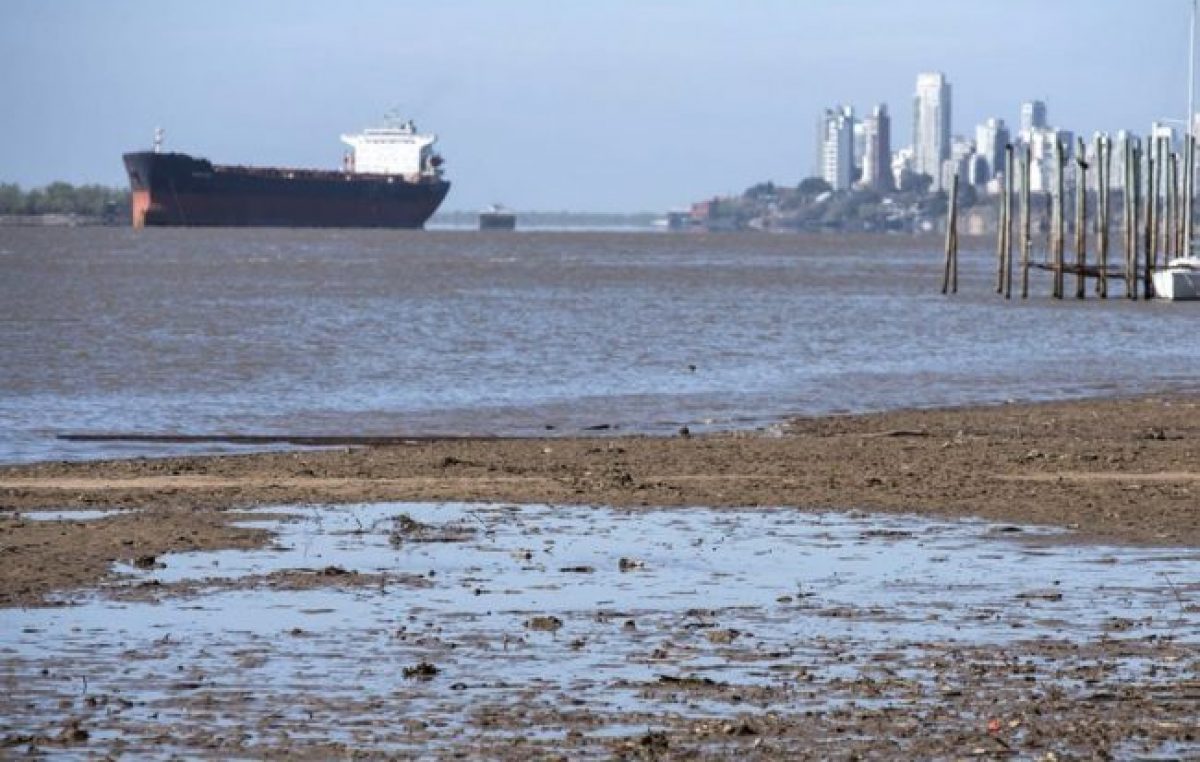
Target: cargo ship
point(390, 178)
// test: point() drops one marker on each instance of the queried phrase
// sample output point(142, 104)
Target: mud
point(1112, 470)
point(566, 597)
point(769, 633)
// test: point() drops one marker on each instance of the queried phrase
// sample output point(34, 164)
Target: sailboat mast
point(1190, 152)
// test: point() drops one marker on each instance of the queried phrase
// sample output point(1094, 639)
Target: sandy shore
point(1045, 684)
point(1119, 471)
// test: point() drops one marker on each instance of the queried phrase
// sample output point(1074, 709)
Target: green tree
point(814, 186)
point(11, 198)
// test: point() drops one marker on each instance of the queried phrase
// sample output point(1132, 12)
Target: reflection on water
point(616, 610)
point(370, 332)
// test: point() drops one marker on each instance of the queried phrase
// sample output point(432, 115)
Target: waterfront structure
point(859, 149)
point(902, 168)
point(1116, 180)
point(877, 150)
point(990, 139)
point(931, 126)
point(1041, 151)
point(977, 170)
point(836, 156)
point(962, 151)
point(1033, 117)
point(1160, 131)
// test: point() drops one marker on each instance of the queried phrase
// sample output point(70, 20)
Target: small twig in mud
point(1175, 590)
point(476, 516)
point(1178, 598)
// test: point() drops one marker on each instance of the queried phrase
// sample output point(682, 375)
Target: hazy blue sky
point(610, 106)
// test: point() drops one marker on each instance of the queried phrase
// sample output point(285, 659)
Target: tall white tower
point(837, 147)
point(931, 125)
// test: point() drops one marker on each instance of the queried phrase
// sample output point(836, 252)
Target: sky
point(607, 105)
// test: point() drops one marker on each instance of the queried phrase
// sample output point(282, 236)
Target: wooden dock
point(1157, 190)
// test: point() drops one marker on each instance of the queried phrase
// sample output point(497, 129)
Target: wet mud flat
point(519, 631)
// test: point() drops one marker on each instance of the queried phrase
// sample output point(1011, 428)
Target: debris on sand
point(72, 732)
point(407, 529)
point(1040, 595)
point(722, 637)
point(423, 670)
point(544, 623)
point(688, 681)
point(655, 741)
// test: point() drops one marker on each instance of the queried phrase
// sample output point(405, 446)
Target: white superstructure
point(393, 150)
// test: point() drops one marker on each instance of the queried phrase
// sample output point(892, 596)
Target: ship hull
point(174, 189)
point(494, 221)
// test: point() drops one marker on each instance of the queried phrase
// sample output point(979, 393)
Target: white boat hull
point(1177, 283)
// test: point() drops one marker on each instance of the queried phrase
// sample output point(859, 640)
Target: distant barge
point(497, 218)
point(391, 178)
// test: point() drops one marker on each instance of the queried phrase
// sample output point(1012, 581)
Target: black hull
point(493, 221)
point(174, 189)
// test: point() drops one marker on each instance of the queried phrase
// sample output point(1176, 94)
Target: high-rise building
point(877, 149)
point(836, 157)
point(990, 139)
point(860, 148)
point(931, 125)
point(962, 151)
point(1043, 172)
point(977, 170)
point(1033, 117)
point(902, 172)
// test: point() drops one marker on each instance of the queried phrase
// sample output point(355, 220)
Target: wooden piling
point(1001, 228)
point(1169, 203)
point(1148, 228)
point(1103, 170)
point(1189, 193)
point(1127, 216)
point(1180, 182)
point(1026, 225)
point(1060, 161)
point(1156, 204)
point(1135, 206)
point(950, 270)
point(1081, 168)
point(1009, 181)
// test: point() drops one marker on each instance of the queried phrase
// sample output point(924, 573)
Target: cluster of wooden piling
point(1157, 211)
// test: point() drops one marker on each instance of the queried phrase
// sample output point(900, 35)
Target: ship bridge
point(392, 150)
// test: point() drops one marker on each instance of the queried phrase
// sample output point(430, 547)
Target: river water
point(457, 332)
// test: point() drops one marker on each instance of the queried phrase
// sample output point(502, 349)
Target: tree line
point(64, 198)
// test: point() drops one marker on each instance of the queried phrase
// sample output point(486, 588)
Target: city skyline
point(623, 107)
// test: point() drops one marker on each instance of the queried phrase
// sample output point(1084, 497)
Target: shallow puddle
point(64, 515)
point(418, 626)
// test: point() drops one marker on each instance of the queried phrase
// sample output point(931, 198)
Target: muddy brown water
point(369, 332)
point(498, 630)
